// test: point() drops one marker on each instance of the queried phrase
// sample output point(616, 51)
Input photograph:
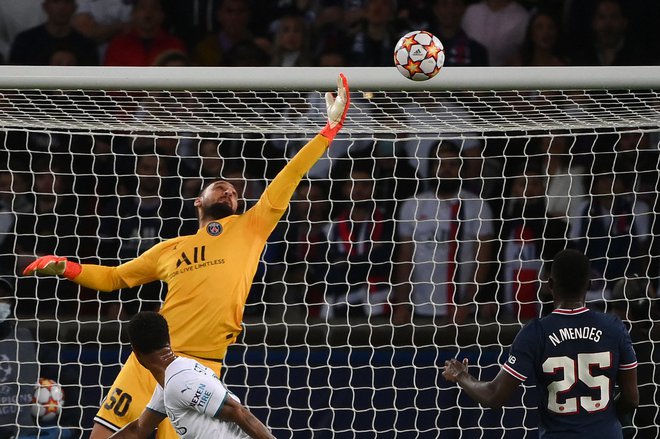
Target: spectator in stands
point(499, 25)
point(331, 58)
point(247, 54)
point(636, 159)
point(291, 45)
point(206, 161)
point(135, 222)
point(445, 245)
point(190, 20)
point(102, 20)
point(530, 240)
point(172, 58)
point(371, 45)
point(541, 44)
point(146, 40)
point(481, 174)
point(416, 14)
point(565, 189)
point(233, 18)
point(35, 46)
point(460, 50)
point(52, 222)
point(360, 248)
point(142, 217)
point(306, 248)
point(396, 177)
point(609, 44)
point(15, 17)
point(63, 57)
point(329, 34)
point(57, 220)
point(614, 230)
point(13, 198)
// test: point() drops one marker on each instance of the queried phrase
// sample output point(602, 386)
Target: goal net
point(360, 295)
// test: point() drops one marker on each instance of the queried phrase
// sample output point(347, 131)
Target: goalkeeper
point(208, 274)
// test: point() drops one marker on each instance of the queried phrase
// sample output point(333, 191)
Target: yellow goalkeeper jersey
point(209, 274)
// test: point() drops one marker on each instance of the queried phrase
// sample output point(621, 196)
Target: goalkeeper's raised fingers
point(337, 108)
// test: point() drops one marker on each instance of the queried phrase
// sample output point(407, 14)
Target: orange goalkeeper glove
point(54, 266)
point(337, 108)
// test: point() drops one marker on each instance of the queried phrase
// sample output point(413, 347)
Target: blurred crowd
point(326, 32)
point(395, 229)
point(430, 229)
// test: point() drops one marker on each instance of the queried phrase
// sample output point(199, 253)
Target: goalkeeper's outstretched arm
point(96, 277)
point(281, 189)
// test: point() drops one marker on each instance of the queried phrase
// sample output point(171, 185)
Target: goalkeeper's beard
point(218, 211)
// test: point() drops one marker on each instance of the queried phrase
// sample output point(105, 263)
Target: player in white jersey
point(191, 395)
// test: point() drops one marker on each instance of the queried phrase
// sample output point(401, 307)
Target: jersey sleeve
point(144, 268)
point(628, 358)
point(205, 394)
point(157, 402)
point(524, 352)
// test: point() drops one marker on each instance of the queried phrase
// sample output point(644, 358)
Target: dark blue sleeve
point(524, 352)
point(627, 359)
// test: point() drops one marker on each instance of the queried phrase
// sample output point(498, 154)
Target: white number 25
point(580, 370)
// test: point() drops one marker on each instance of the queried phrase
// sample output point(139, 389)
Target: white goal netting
point(328, 350)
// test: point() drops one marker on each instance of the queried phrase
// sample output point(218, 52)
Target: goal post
point(100, 163)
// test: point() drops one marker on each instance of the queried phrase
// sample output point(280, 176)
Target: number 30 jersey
point(573, 358)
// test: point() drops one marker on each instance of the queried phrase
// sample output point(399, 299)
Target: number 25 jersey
point(573, 357)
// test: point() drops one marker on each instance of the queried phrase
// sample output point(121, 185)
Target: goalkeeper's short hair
point(148, 332)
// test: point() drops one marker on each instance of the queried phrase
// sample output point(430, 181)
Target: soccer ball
point(419, 55)
point(47, 400)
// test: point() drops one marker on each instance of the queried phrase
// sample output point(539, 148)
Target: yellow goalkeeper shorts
point(130, 394)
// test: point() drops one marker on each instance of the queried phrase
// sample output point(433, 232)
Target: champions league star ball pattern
point(419, 55)
point(47, 400)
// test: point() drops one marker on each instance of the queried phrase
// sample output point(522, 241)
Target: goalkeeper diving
point(208, 274)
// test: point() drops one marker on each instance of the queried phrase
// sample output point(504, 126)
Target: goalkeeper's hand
point(337, 108)
point(53, 266)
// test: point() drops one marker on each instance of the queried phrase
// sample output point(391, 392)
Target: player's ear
point(197, 202)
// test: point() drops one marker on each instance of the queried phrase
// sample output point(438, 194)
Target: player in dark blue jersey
point(574, 356)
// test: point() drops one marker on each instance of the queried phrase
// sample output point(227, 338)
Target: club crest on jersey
point(214, 228)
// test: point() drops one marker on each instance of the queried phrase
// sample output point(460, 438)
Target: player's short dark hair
point(570, 274)
point(148, 332)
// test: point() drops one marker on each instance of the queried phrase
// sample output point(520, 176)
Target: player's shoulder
point(179, 374)
point(609, 320)
point(531, 330)
point(168, 244)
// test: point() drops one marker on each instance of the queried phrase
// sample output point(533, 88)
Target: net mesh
point(100, 176)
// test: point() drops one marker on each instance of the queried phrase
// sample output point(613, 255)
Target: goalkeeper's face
point(217, 201)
